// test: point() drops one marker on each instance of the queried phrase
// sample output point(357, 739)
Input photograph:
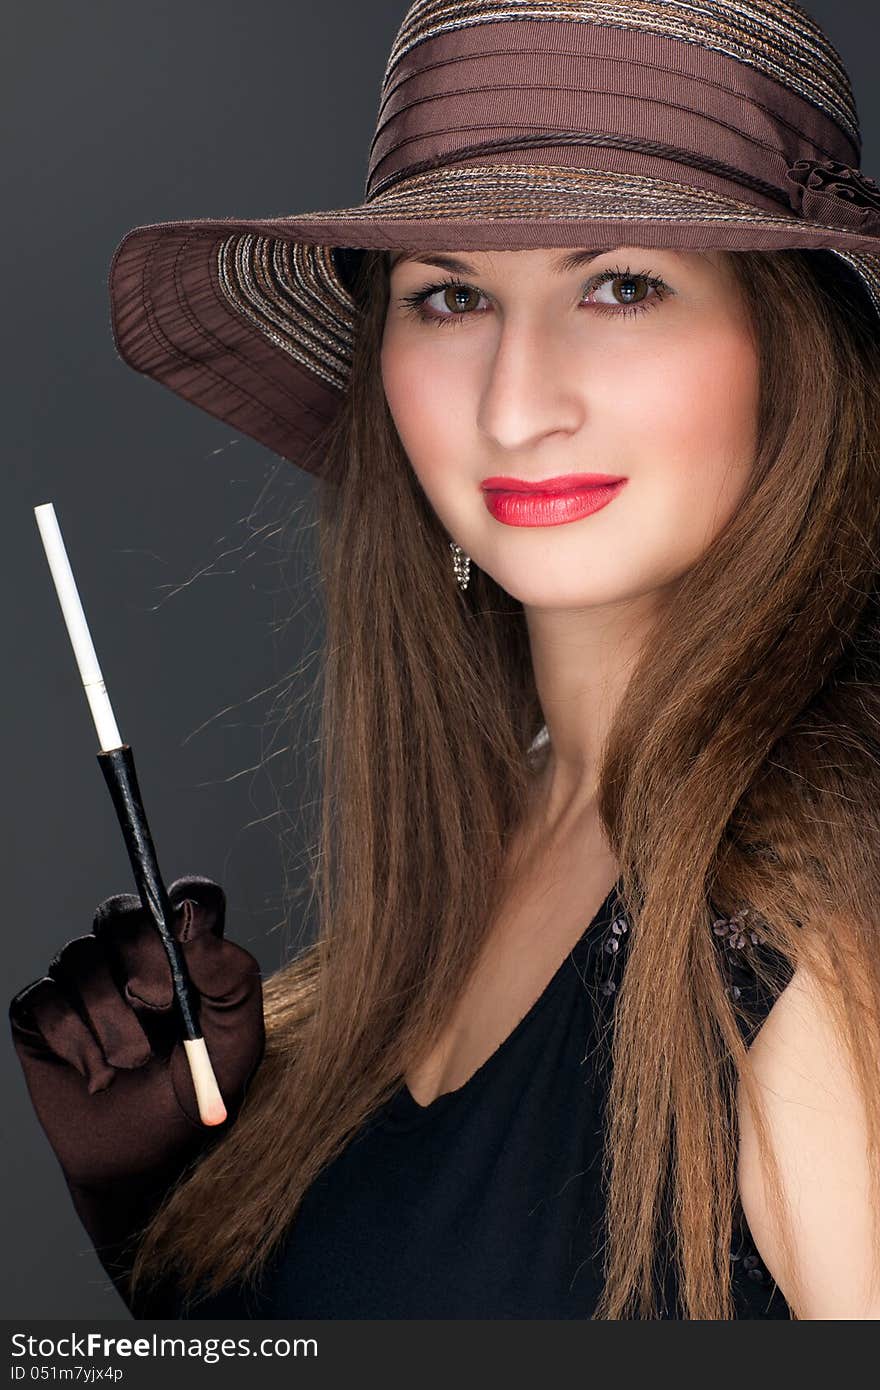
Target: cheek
point(702, 415)
point(432, 399)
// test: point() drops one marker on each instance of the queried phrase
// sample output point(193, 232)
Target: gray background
point(192, 546)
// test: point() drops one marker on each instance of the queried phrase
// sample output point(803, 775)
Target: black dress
point(485, 1203)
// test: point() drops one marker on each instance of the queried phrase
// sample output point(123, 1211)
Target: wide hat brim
point(252, 319)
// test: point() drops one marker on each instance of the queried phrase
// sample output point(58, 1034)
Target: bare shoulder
point(818, 1129)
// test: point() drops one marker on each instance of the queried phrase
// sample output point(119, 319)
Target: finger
point(224, 973)
point(221, 970)
point(45, 1026)
point(208, 900)
point(133, 940)
point(84, 972)
point(132, 943)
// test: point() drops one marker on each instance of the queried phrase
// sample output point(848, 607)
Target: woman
point(595, 994)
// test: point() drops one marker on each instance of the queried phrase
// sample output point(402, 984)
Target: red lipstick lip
point(563, 482)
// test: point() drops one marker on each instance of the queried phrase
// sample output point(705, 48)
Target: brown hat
point(507, 125)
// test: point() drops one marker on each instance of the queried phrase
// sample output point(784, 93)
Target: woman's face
point(635, 363)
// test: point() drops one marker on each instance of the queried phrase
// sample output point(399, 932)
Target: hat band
point(755, 35)
point(548, 139)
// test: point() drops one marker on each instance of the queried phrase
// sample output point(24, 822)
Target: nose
point(533, 385)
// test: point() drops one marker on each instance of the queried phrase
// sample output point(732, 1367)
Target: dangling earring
point(461, 564)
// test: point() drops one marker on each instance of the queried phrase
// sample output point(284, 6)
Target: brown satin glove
point(99, 1041)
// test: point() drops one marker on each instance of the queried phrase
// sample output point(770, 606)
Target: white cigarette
point(77, 628)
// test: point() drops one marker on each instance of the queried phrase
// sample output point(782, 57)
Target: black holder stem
point(117, 765)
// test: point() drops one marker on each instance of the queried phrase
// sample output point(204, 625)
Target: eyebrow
point(561, 266)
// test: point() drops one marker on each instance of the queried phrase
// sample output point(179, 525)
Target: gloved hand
point(99, 1041)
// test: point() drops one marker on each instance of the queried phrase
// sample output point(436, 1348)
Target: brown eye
point(629, 293)
point(456, 297)
point(627, 289)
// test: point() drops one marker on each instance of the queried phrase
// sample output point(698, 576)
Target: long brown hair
point(740, 773)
